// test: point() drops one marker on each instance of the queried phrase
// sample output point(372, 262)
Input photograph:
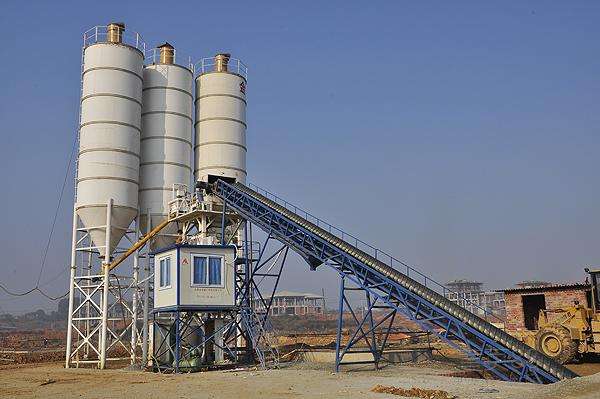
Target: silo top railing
point(209, 64)
point(99, 34)
point(152, 56)
point(380, 255)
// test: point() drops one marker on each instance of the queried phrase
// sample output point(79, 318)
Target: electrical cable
point(11, 293)
point(60, 197)
point(48, 242)
point(35, 289)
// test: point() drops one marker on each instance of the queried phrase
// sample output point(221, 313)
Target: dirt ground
point(299, 380)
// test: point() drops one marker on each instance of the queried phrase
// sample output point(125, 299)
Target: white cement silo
point(109, 135)
point(166, 141)
point(220, 149)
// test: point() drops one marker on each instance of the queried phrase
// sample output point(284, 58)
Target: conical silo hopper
point(109, 136)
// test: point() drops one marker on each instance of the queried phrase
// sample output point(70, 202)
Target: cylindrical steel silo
point(109, 134)
point(166, 143)
point(220, 149)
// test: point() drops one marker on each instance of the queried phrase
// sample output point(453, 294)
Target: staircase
point(261, 333)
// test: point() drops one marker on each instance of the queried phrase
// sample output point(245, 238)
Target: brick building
point(524, 303)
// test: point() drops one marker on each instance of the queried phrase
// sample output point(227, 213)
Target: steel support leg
point(134, 301)
point(338, 341)
point(146, 298)
point(106, 279)
point(177, 341)
point(71, 291)
point(372, 328)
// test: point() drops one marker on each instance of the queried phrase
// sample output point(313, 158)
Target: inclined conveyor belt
point(488, 330)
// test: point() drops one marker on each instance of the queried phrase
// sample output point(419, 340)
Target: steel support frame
point(102, 326)
point(367, 329)
point(248, 321)
point(176, 331)
point(497, 359)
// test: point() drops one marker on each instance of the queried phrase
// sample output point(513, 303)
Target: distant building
point(471, 296)
point(297, 304)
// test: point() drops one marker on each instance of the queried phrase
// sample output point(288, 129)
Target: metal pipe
point(137, 245)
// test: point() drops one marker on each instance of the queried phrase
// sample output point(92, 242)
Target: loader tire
point(556, 342)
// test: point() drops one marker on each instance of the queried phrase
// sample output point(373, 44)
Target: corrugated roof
point(550, 287)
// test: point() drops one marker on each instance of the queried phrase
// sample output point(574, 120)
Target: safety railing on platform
point(152, 56)
point(381, 255)
point(99, 34)
point(209, 64)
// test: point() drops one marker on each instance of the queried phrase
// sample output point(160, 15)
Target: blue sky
point(460, 136)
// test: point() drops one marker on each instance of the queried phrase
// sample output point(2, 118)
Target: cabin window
point(165, 273)
point(207, 270)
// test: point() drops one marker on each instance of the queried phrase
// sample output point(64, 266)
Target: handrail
point(375, 252)
point(152, 56)
point(208, 64)
point(99, 34)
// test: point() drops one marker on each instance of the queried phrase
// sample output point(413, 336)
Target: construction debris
point(413, 392)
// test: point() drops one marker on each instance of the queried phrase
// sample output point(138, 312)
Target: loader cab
point(595, 291)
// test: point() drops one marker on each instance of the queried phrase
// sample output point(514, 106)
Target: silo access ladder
point(498, 352)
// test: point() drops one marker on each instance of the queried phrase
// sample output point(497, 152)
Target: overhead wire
point(37, 287)
point(60, 197)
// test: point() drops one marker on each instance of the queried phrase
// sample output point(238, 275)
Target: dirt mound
point(580, 387)
point(413, 392)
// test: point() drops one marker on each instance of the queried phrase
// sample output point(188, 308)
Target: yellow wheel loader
point(571, 331)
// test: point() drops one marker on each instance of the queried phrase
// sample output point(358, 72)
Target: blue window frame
point(207, 270)
point(165, 272)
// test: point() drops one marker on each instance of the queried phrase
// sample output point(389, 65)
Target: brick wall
point(555, 298)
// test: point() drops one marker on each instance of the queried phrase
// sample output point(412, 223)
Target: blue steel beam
point(500, 360)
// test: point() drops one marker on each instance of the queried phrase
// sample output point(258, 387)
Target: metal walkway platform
point(501, 354)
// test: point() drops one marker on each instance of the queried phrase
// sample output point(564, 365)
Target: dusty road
point(298, 381)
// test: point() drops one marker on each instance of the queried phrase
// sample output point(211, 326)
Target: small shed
point(523, 304)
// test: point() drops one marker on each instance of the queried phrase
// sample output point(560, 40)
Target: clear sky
point(461, 136)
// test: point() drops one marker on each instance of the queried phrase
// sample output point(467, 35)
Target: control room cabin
point(194, 277)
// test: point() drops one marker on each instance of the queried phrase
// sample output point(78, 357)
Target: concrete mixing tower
point(106, 200)
point(201, 278)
